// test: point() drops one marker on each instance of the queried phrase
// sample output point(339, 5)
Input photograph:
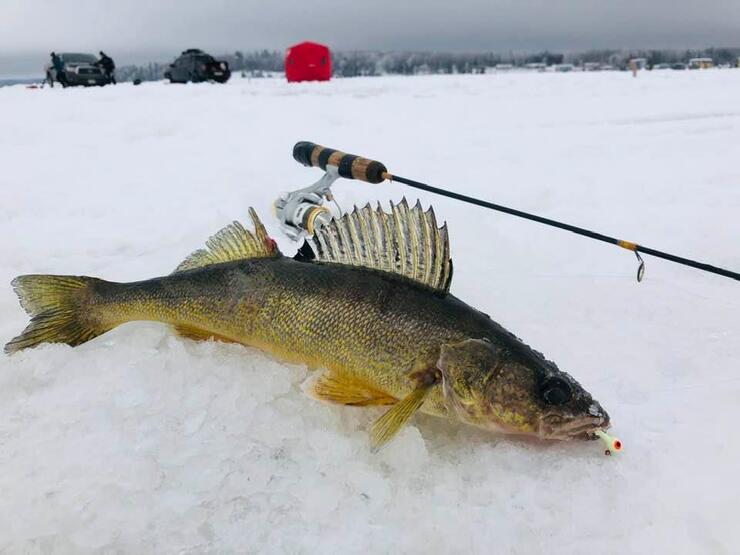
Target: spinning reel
point(301, 212)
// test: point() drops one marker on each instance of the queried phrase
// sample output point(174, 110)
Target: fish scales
point(372, 325)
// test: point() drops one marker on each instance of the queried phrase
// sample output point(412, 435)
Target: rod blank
point(568, 227)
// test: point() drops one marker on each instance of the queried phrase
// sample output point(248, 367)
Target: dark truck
point(197, 66)
point(80, 70)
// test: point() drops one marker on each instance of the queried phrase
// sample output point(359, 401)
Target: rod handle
point(348, 165)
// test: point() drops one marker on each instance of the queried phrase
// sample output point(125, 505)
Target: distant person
point(58, 65)
point(108, 66)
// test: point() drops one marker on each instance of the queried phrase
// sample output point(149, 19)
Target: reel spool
point(300, 211)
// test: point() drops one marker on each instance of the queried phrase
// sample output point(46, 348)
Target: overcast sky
point(139, 30)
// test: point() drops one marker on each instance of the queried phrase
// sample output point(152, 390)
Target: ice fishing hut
point(307, 61)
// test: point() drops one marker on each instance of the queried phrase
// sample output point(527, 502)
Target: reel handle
point(348, 165)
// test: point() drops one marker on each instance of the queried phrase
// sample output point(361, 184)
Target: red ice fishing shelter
point(307, 61)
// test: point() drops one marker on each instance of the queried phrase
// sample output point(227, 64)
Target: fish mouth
point(557, 426)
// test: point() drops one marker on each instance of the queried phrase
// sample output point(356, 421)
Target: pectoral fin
point(345, 389)
point(388, 425)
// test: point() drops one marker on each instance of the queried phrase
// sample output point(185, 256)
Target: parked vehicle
point(197, 66)
point(79, 70)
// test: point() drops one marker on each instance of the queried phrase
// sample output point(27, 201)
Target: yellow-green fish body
point(391, 336)
point(373, 326)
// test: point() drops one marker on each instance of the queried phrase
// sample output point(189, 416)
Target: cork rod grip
point(349, 165)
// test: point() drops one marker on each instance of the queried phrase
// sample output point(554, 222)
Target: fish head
point(516, 391)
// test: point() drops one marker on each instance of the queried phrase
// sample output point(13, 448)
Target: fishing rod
point(301, 211)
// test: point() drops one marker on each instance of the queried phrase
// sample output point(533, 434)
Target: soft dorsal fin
point(405, 241)
point(233, 243)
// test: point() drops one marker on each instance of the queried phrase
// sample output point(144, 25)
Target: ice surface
point(143, 442)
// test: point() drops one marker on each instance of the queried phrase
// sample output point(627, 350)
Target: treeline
point(151, 72)
point(366, 63)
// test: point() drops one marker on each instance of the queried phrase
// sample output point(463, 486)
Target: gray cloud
point(136, 30)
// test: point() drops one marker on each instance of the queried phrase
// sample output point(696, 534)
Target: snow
point(140, 441)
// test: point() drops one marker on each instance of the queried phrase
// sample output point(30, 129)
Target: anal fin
point(199, 334)
point(344, 389)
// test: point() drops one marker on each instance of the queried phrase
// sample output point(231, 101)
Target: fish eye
point(555, 391)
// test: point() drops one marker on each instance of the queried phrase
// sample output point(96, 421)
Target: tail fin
point(58, 309)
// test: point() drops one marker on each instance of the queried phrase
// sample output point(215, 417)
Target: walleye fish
point(366, 301)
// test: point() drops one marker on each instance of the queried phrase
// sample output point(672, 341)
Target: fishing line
point(372, 171)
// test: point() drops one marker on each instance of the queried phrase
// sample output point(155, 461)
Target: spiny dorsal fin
point(405, 241)
point(233, 243)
